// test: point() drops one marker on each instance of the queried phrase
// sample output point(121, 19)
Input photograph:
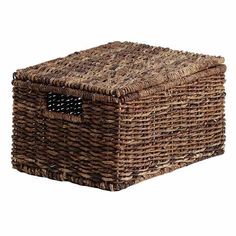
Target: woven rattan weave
point(117, 114)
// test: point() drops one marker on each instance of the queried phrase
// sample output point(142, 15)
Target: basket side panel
point(172, 129)
point(46, 144)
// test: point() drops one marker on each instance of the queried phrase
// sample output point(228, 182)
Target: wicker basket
point(117, 114)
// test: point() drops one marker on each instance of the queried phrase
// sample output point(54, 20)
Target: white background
point(197, 200)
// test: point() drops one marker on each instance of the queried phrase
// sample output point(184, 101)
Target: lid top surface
point(118, 68)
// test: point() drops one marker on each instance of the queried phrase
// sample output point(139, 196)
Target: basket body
point(113, 146)
point(114, 115)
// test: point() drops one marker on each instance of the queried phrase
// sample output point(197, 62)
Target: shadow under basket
point(114, 115)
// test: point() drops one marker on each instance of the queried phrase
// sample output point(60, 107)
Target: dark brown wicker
point(117, 114)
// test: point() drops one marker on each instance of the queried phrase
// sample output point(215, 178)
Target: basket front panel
point(80, 149)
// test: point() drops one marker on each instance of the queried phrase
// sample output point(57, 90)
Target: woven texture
point(119, 71)
point(117, 114)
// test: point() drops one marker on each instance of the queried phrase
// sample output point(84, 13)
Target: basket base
point(105, 185)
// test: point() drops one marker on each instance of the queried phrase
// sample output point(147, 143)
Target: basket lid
point(119, 71)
